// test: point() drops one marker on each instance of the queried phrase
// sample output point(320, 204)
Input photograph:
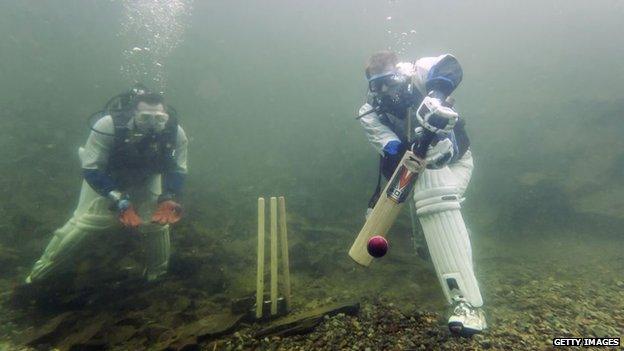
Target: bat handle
point(421, 146)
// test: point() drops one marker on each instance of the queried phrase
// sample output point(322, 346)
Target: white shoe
point(465, 319)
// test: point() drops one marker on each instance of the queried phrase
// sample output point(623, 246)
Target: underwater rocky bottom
point(534, 290)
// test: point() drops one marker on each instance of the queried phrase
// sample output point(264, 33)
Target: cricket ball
point(377, 246)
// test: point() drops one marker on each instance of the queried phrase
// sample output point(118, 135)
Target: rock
point(44, 333)
point(599, 330)
point(119, 334)
point(181, 303)
point(82, 338)
point(485, 343)
point(153, 332)
point(243, 304)
point(70, 330)
point(187, 336)
point(198, 267)
point(8, 256)
point(306, 321)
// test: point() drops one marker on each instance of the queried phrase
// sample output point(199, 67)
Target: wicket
point(283, 240)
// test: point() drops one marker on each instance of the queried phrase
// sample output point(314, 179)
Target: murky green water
point(267, 92)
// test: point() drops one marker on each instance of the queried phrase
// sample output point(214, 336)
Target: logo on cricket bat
point(401, 185)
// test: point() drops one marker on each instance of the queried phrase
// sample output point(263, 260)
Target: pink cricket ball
point(377, 246)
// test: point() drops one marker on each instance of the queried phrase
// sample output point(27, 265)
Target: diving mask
point(391, 92)
point(151, 121)
point(387, 83)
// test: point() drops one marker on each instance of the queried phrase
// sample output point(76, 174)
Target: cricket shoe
point(466, 320)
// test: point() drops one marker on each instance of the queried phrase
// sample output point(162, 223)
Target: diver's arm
point(436, 78)
point(440, 75)
point(378, 134)
point(461, 136)
point(99, 181)
point(174, 179)
point(94, 156)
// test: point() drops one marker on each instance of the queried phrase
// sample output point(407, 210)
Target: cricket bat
point(389, 204)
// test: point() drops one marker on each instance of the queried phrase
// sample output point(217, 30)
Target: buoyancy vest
point(136, 156)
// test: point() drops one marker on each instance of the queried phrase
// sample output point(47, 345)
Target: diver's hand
point(440, 152)
point(392, 153)
point(168, 212)
point(127, 214)
point(435, 116)
point(393, 147)
point(414, 163)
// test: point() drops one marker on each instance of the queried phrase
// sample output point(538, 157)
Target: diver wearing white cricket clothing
point(134, 165)
point(394, 89)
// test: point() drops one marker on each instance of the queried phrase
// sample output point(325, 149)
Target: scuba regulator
point(121, 105)
point(391, 92)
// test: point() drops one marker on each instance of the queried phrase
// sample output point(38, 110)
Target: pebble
point(486, 343)
point(522, 320)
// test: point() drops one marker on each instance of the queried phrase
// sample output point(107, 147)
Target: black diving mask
point(150, 121)
point(391, 92)
point(387, 83)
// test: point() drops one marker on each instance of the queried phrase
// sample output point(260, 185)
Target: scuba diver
point(424, 86)
point(134, 167)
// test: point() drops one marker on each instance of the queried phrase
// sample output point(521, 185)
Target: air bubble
point(153, 28)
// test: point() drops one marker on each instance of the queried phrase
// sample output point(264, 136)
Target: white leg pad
point(157, 250)
point(91, 216)
point(437, 197)
point(462, 170)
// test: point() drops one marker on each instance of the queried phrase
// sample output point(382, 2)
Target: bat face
point(387, 208)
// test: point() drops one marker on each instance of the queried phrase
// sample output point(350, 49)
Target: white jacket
point(381, 129)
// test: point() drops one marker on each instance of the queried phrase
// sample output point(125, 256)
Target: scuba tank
point(120, 107)
point(133, 150)
point(116, 106)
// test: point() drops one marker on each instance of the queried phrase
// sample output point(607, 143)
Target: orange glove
point(126, 213)
point(168, 212)
point(129, 218)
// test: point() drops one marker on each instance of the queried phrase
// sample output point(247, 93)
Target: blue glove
point(392, 148)
point(393, 152)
